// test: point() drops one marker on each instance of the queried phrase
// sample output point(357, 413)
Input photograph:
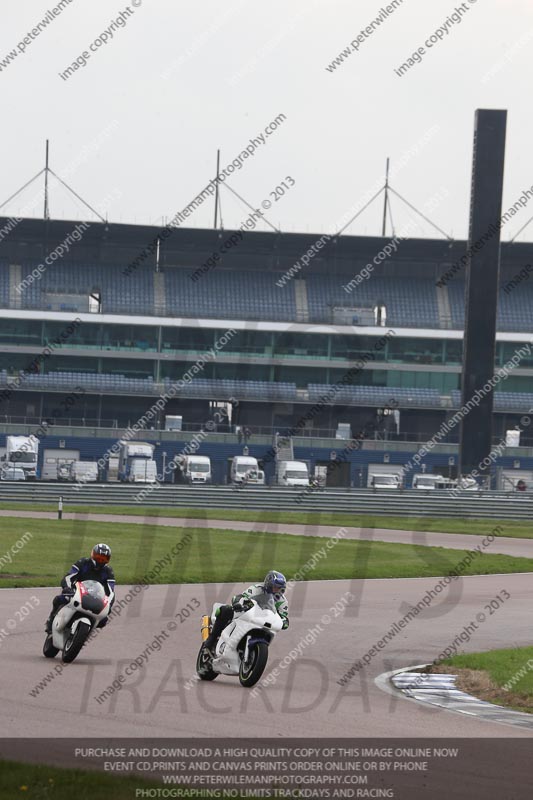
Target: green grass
point(221, 555)
point(476, 527)
point(501, 665)
point(37, 782)
point(505, 668)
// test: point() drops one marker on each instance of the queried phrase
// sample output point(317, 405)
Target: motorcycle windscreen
point(93, 598)
point(266, 602)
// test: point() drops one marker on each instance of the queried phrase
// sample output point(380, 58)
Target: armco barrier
point(493, 505)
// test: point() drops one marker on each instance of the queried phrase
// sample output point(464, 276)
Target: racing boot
point(48, 623)
point(224, 615)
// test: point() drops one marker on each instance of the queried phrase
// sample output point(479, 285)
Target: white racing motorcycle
point(73, 623)
point(242, 648)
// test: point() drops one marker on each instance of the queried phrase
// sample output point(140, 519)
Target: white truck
point(468, 484)
point(63, 471)
point(84, 471)
point(23, 451)
point(12, 474)
point(136, 463)
point(385, 480)
point(426, 481)
point(194, 469)
point(245, 470)
point(292, 473)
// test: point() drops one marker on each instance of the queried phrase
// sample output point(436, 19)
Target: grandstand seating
point(234, 294)
point(245, 287)
point(456, 295)
point(241, 295)
point(4, 285)
point(93, 382)
point(224, 389)
point(200, 387)
point(120, 294)
point(221, 389)
point(408, 301)
point(515, 308)
point(262, 391)
point(377, 395)
point(219, 294)
point(503, 401)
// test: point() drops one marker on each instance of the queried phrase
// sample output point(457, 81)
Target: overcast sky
point(135, 131)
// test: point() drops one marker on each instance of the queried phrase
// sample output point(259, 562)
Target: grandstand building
point(356, 336)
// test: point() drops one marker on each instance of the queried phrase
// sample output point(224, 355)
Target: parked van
point(142, 470)
point(84, 471)
point(292, 473)
point(245, 470)
point(11, 473)
point(428, 482)
point(385, 481)
point(194, 469)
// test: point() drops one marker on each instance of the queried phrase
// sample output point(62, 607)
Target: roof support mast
point(216, 190)
point(386, 199)
point(46, 170)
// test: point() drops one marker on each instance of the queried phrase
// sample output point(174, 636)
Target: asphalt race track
point(161, 700)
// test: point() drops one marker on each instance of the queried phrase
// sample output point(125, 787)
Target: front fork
point(246, 651)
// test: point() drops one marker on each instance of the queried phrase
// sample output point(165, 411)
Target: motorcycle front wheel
point(250, 672)
point(203, 666)
point(74, 643)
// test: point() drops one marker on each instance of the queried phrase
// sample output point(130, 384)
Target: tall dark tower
point(482, 282)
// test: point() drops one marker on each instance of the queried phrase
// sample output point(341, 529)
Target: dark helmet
point(100, 555)
point(275, 583)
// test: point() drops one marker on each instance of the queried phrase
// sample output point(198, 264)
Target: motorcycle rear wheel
point(250, 673)
point(74, 643)
point(203, 670)
point(48, 648)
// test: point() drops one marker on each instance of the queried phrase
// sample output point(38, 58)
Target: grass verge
point(32, 781)
point(477, 527)
point(504, 677)
point(207, 555)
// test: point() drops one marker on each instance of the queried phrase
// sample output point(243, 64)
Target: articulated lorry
point(23, 451)
point(136, 463)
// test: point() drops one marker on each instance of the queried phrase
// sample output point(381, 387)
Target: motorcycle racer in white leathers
point(274, 585)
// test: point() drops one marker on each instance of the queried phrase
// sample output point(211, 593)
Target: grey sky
point(181, 79)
